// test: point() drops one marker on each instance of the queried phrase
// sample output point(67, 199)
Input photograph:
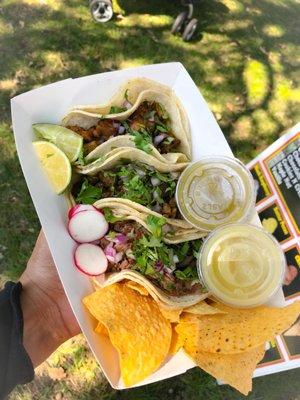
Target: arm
point(48, 318)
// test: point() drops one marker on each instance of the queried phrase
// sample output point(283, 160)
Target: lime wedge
point(55, 164)
point(68, 141)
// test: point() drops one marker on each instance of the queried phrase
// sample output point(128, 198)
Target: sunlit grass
point(145, 21)
point(273, 30)
point(256, 80)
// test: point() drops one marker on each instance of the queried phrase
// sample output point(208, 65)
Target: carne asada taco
point(137, 250)
point(145, 114)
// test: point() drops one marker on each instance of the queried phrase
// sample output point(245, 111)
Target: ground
point(245, 60)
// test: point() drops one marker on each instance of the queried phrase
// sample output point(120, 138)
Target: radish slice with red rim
point(90, 259)
point(80, 207)
point(87, 226)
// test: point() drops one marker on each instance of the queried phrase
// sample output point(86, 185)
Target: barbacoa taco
point(143, 114)
point(137, 249)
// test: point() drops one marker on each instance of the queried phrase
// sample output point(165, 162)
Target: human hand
point(48, 318)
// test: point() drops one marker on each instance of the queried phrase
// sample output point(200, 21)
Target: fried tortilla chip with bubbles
point(234, 369)
point(136, 327)
point(239, 330)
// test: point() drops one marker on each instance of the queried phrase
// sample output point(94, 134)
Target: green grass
point(245, 60)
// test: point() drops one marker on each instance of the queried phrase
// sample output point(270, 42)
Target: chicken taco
point(143, 114)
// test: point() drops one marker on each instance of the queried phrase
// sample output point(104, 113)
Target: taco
point(137, 250)
point(143, 114)
point(137, 183)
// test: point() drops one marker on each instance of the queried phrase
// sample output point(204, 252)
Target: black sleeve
point(15, 364)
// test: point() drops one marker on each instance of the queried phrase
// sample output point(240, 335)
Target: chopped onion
point(175, 259)
point(110, 252)
point(140, 172)
point(157, 208)
point(174, 175)
point(130, 254)
point(119, 257)
point(121, 130)
point(159, 138)
point(120, 239)
point(116, 124)
point(167, 228)
point(155, 181)
point(159, 266)
point(127, 104)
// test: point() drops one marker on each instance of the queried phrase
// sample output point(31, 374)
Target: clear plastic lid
point(241, 265)
point(214, 191)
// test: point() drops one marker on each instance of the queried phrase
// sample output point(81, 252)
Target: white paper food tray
point(49, 104)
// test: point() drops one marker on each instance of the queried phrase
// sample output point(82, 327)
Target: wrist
point(44, 329)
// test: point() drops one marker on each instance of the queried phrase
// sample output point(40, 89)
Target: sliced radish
point(87, 226)
point(90, 259)
point(80, 207)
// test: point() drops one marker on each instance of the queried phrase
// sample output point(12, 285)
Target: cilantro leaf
point(161, 128)
point(188, 273)
point(88, 193)
point(116, 110)
point(155, 225)
point(80, 160)
point(109, 216)
point(142, 141)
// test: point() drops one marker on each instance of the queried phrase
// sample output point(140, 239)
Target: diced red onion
point(120, 239)
point(127, 104)
point(121, 130)
point(151, 119)
point(119, 257)
point(155, 181)
point(159, 138)
point(159, 266)
point(116, 124)
point(109, 251)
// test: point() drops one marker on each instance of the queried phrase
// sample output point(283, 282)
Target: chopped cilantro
point(80, 160)
point(188, 273)
point(155, 225)
point(116, 110)
point(142, 141)
point(88, 193)
point(109, 216)
point(161, 128)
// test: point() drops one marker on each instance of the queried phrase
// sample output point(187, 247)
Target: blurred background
point(244, 57)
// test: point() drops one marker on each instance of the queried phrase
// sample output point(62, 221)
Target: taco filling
point(149, 124)
point(137, 182)
point(128, 245)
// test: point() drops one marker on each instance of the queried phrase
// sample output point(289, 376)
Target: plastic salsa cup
point(215, 191)
point(241, 265)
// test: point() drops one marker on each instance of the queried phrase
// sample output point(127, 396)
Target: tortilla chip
point(139, 288)
point(234, 369)
point(101, 329)
point(203, 308)
point(239, 330)
point(137, 329)
point(176, 342)
point(171, 315)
